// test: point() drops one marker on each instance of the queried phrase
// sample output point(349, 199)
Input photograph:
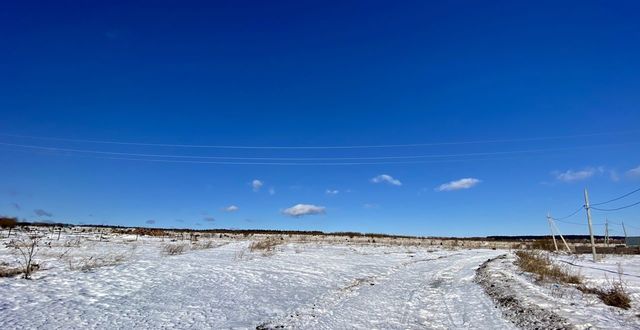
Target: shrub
point(27, 247)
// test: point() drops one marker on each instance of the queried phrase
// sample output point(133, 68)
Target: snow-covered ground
point(125, 282)
point(301, 285)
point(582, 311)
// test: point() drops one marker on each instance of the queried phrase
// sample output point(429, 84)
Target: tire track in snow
point(325, 303)
point(426, 292)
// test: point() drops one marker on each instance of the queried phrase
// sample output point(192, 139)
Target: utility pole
point(625, 230)
point(586, 206)
point(606, 231)
point(551, 228)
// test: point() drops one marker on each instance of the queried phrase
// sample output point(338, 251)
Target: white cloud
point(385, 178)
point(272, 191)
point(332, 191)
point(465, 183)
point(634, 172)
point(256, 184)
point(613, 175)
point(231, 208)
point(300, 210)
point(572, 176)
point(370, 206)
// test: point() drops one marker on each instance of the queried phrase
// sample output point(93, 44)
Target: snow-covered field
point(124, 282)
point(301, 285)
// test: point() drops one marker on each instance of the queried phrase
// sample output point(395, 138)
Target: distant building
point(632, 241)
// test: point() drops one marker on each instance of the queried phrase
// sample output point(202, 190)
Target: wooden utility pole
point(586, 206)
point(606, 231)
point(551, 228)
point(625, 231)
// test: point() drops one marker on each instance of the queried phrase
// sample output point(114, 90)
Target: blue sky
point(556, 84)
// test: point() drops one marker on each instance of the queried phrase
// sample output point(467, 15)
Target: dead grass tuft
point(93, 262)
point(174, 249)
point(267, 246)
point(202, 245)
point(539, 264)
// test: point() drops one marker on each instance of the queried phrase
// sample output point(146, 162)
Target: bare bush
point(27, 248)
point(174, 249)
point(539, 264)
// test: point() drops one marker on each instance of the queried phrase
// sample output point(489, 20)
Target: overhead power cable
point(114, 153)
point(570, 215)
point(617, 208)
point(617, 198)
point(319, 147)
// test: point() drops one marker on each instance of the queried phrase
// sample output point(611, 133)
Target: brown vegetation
point(266, 246)
point(174, 249)
point(545, 244)
point(539, 264)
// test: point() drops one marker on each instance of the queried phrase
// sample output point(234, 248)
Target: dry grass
point(539, 264)
point(174, 249)
point(93, 262)
point(615, 295)
point(545, 244)
point(6, 271)
point(202, 245)
point(267, 246)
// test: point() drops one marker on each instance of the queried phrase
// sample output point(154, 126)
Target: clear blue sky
point(319, 73)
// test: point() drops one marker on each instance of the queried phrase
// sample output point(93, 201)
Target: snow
point(299, 285)
point(583, 311)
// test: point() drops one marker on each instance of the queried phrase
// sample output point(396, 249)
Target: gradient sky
point(314, 74)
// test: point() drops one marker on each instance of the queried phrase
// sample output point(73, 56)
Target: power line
point(318, 147)
point(617, 198)
point(114, 153)
point(578, 223)
point(618, 208)
point(570, 215)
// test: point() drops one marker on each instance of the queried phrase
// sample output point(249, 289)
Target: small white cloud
point(300, 210)
point(634, 172)
point(572, 176)
point(385, 178)
point(272, 191)
point(231, 208)
point(256, 185)
point(370, 206)
point(613, 175)
point(332, 192)
point(465, 183)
